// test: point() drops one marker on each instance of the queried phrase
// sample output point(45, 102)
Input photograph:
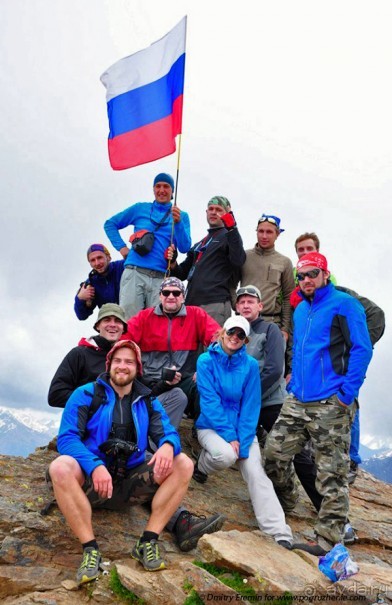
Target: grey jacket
point(267, 346)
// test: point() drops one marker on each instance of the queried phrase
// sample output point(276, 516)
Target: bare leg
point(67, 479)
point(170, 493)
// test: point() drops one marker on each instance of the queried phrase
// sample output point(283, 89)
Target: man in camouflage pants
point(331, 352)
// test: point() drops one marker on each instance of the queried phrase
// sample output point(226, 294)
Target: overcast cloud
point(287, 111)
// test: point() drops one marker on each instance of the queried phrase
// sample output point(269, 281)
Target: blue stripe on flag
point(147, 104)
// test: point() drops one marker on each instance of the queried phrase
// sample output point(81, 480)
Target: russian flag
point(144, 95)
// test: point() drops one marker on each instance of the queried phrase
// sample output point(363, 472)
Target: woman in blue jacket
point(228, 381)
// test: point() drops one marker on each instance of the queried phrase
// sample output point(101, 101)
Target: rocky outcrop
point(39, 556)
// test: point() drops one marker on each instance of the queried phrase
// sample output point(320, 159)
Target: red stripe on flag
point(147, 143)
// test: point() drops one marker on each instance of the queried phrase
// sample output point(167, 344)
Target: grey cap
point(111, 309)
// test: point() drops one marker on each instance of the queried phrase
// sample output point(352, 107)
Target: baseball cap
point(249, 290)
point(236, 321)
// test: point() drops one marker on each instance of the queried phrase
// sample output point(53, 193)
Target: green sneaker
point(90, 566)
point(147, 553)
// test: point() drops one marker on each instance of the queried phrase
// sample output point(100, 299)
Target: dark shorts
point(138, 487)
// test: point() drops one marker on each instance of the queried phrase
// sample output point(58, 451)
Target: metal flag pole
point(167, 274)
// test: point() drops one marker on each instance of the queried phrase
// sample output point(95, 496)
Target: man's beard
point(121, 380)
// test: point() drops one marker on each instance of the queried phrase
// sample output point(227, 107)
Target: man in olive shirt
point(271, 272)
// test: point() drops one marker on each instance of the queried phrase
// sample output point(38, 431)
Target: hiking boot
point(312, 547)
point(349, 534)
point(198, 475)
point(190, 527)
point(352, 473)
point(147, 553)
point(90, 566)
point(285, 543)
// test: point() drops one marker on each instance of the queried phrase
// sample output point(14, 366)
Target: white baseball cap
point(236, 321)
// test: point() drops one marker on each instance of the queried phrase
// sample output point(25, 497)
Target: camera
point(168, 374)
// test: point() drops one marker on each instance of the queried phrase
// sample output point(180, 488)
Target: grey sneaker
point(147, 553)
point(190, 527)
point(90, 566)
point(349, 534)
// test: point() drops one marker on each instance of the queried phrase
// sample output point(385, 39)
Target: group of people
point(163, 351)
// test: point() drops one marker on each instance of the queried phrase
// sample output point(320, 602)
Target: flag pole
point(167, 274)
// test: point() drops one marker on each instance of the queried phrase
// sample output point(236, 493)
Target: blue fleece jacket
point(80, 438)
point(107, 289)
point(230, 395)
point(147, 215)
point(331, 347)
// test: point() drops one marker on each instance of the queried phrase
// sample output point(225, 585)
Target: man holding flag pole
point(145, 98)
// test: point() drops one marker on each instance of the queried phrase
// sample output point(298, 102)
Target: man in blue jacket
point(102, 284)
point(104, 463)
point(156, 225)
point(331, 353)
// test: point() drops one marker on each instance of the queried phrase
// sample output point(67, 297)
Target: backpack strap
point(98, 398)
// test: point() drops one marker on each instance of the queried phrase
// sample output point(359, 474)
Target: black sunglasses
point(312, 274)
point(167, 293)
point(237, 331)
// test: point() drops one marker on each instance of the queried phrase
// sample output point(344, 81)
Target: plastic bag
point(337, 564)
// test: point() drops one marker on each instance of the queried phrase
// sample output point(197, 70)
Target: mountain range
point(21, 431)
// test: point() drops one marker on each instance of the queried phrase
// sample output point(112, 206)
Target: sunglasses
point(167, 293)
point(237, 331)
point(268, 219)
point(312, 274)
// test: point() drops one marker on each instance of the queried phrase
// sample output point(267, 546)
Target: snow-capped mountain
point(21, 431)
point(380, 466)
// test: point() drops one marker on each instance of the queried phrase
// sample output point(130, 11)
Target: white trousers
point(217, 454)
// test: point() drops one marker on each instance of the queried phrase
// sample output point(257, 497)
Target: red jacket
point(167, 341)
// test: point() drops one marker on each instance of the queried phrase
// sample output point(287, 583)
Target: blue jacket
point(107, 289)
point(230, 395)
point(331, 348)
point(146, 215)
point(81, 439)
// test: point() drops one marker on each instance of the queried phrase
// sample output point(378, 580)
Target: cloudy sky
point(287, 111)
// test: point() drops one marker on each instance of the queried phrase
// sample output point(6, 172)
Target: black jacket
point(209, 266)
point(81, 365)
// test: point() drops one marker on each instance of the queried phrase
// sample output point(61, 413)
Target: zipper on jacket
point(308, 324)
point(322, 367)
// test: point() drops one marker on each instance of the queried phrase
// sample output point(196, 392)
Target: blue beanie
point(162, 177)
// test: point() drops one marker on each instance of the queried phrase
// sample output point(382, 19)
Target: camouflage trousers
point(328, 424)
point(138, 487)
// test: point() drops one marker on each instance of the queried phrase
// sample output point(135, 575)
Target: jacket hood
point(89, 342)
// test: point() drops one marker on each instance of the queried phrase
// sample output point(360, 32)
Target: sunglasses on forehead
point(268, 219)
point(167, 293)
point(312, 274)
point(250, 291)
point(237, 331)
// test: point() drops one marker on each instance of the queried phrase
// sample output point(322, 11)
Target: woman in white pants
point(228, 381)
